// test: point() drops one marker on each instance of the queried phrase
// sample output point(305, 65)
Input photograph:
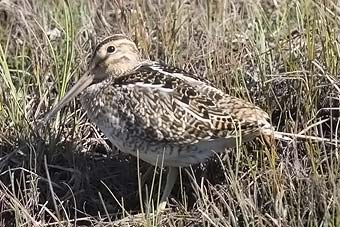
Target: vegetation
point(282, 55)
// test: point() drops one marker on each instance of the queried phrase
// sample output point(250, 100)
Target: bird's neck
point(123, 69)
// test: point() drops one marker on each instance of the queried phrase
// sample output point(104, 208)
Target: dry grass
point(282, 55)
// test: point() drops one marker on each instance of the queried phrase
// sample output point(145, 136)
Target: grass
point(281, 55)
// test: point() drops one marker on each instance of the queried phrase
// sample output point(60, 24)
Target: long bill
point(81, 84)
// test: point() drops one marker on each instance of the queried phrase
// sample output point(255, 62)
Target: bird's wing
point(171, 105)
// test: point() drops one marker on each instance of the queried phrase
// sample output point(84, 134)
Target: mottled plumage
point(159, 112)
point(156, 109)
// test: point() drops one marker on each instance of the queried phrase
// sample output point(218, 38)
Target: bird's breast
point(108, 108)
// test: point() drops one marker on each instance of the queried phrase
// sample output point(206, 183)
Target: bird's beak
point(81, 84)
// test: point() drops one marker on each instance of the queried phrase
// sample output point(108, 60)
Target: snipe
point(162, 112)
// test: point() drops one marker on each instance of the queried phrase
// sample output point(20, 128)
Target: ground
point(282, 55)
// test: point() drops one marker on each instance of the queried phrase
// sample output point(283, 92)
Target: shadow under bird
point(160, 113)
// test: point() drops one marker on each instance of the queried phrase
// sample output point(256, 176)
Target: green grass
point(284, 58)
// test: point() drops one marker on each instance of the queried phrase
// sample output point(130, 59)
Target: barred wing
point(175, 106)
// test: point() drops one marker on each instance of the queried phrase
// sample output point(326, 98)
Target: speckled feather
point(157, 109)
point(159, 113)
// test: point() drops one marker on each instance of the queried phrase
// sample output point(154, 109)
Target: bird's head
point(113, 56)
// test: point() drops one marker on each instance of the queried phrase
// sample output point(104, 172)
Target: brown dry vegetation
point(282, 55)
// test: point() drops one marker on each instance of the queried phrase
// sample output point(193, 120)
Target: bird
point(161, 113)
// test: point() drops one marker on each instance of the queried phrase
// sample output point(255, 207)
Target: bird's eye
point(110, 49)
